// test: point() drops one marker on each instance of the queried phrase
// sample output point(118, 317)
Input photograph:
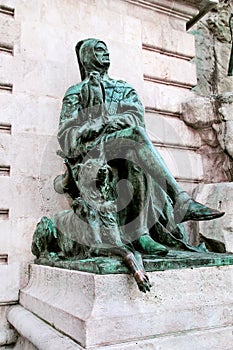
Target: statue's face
point(93, 56)
point(102, 54)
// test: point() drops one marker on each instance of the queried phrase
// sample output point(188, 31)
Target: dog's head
point(93, 174)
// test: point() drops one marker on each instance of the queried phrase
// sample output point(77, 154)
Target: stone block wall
point(149, 48)
point(169, 76)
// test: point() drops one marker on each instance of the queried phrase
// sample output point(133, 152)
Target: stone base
point(109, 312)
point(219, 196)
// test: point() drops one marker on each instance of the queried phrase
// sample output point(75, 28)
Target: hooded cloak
point(87, 60)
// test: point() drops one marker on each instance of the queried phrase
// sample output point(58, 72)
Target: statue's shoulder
point(74, 89)
point(119, 83)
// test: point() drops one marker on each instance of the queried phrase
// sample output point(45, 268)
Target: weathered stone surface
point(214, 158)
point(199, 112)
point(218, 196)
point(172, 41)
point(14, 276)
point(226, 100)
point(212, 36)
point(7, 334)
point(169, 68)
point(9, 30)
point(213, 338)
point(213, 51)
point(171, 131)
point(37, 334)
point(165, 97)
point(222, 54)
point(24, 344)
point(229, 138)
point(208, 137)
point(79, 303)
point(30, 114)
point(225, 129)
point(215, 133)
point(183, 163)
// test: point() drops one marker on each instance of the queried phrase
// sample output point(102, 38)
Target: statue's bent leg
point(185, 208)
point(133, 205)
point(147, 157)
point(134, 215)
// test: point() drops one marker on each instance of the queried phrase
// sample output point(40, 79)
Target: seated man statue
point(103, 119)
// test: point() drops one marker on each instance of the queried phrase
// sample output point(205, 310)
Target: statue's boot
point(192, 210)
point(147, 245)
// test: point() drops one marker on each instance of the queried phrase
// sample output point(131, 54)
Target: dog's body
point(91, 226)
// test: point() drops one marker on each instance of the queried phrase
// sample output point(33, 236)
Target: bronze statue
point(124, 199)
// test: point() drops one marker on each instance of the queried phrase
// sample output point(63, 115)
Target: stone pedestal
point(220, 196)
point(92, 311)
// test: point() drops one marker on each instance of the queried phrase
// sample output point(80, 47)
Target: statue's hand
point(116, 123)
point(96, 89)
point(91, 129)
point(84, 95)
point(92, 93)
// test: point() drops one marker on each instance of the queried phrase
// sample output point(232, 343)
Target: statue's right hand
point(116, 124)
point(84, 95)
point(91, 130)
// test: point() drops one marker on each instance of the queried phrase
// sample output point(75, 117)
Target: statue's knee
point(139, 132)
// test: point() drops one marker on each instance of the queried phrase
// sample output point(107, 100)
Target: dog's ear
point(76, 170)
point(78, 167)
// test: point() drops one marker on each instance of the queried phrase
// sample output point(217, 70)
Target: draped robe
point(143, 206)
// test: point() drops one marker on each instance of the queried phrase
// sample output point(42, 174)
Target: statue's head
point(92, 56)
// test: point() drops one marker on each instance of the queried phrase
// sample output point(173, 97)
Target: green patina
point(124, 200)
point(173, 260)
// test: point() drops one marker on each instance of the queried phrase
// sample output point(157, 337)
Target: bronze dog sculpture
point(91, 227)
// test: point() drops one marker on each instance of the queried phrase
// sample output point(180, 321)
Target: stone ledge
point(37, 332)
point(179, 8)
point(52, 339)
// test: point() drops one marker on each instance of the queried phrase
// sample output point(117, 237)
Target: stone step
point(51, 339)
